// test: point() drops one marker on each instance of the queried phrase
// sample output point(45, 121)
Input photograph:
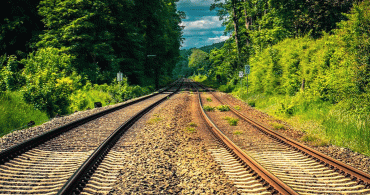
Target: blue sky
point(202, 26)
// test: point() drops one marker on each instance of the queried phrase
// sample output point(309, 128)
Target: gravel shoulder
point(359, 161)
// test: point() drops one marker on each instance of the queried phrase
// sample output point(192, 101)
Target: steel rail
point(268, 178)
point(340, 167)
point(79, 179)
point(14, 151)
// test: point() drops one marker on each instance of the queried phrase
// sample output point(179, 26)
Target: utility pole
point(156, 76)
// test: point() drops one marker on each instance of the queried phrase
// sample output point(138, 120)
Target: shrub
point(84, 99)
point(252, 103)
point(209, 100)
point(237, 107)
point(278, 126)
point(232, 121)
point(208, 108)
point(223, 108)
point(50, 80)
point(226, 88)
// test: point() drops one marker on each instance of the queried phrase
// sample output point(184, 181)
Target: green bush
point(50, 80)
point(223, 108)
point(208, 108)
point(82, 100)
point(252, 103)
point(198, 78)
point(232, 121)
point(10, 77)
point(226, 88)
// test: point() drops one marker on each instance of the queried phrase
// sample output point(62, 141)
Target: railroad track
point(77, 155)
point(278, 164)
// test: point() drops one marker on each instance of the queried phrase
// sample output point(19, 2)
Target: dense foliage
point(110, 36)
point(20, 26)
point(62, 55)
point(183, 70)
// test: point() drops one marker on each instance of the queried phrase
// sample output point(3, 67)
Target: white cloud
point(218, 39)
point(206, 22)
point(218, 32)
point(194, 33)
point(193, 3)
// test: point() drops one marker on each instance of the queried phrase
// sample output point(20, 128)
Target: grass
point(322, 122)
point(278, 126)
point(223, 108)
point(209, 99)
point(154, 119)
point(83, 100)
point(314, 140)
point(191, 128)
point(238, 132)
point(237, 107)
point(231, 121)
point(352, 131)
point(208, 108)
point(15, 113)
point(192, 124)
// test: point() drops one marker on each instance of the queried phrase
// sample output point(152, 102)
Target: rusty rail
point(269, 179)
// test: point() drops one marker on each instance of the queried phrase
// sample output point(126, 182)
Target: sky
point(202, 26)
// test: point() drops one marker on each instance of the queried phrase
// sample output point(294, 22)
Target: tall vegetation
point(61, 55)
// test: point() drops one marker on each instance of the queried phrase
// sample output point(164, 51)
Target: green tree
point(20, 27)
point(356, 35)
point(50, 79)
point(198, 61)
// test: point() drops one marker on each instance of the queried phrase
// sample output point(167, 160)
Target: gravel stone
point(165, 159)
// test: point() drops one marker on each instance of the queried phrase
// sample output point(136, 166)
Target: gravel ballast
point(165, 158)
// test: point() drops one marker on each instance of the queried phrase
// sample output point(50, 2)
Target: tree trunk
point(248, 22)
point(236, 26)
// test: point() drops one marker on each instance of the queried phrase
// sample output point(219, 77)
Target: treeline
point(183, 69)
point(55, 52)
point(103, 36)
point(256, 25)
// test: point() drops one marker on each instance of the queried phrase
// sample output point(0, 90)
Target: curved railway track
point(63, 160)
point(279, 164)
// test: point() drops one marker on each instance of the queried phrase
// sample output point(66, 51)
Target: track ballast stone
point(164, 158)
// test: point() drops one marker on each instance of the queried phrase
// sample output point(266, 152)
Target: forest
point(61, 56)
point(309, 65)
